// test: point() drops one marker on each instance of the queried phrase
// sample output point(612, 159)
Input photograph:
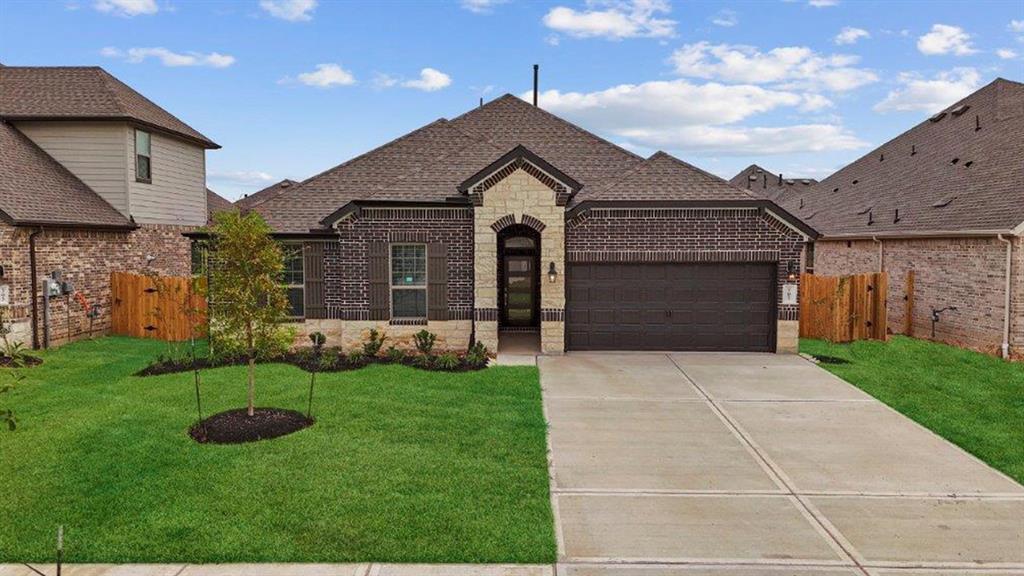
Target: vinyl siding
point(92, 151)
point(177, 194)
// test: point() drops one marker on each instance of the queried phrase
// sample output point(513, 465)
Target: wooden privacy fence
point(844, 308)
point(162, 307)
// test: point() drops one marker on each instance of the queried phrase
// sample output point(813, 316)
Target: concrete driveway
point(759, 464)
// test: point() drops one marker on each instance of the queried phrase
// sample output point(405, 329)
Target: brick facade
point(968, 273)
point(86, 259)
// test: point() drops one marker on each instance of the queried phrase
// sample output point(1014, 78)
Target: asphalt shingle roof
point(36, 189)
point(250, 201)
point(961, 170)
point(766, 184)
point(216, 203)
point(428, 164)
point(82, 93)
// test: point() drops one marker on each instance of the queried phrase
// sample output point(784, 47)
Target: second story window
point(143, 162)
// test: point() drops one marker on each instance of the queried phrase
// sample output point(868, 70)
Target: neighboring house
point(508, 219)
point(94, 178)
point(250, 201)
point(945, 200)
point(767, 185)
point(216, 203)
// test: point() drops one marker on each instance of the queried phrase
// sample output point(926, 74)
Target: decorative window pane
point(408, 265)
point(142, 156)
point(519, 242)
point(408, 303)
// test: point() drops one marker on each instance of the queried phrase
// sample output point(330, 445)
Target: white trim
point(788, 224)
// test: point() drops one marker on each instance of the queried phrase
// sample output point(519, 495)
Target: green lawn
point(973, 400)
point(402, 465)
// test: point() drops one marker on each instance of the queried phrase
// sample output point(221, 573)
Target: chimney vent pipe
point(536, 74)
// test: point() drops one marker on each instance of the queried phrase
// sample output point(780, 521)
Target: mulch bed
point(8, 362)
point(236, 426)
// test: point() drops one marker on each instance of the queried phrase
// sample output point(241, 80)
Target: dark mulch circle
point(236, 426)
point(831, 360)
point(8, 362)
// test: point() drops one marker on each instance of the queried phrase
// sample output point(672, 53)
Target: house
point(250, 201)
point(216, 203)
point(944, 200)
point(509, 221)
point(768, 185)
point(94, 178)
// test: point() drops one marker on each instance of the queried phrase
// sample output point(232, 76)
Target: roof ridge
point(701, 171)
point(106, 78)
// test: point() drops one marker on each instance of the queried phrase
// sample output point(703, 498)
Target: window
point(143, 163)
point(408, 281)
point(293, 280)
point(200, 257)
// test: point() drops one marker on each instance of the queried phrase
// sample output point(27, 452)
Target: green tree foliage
point(247, 300)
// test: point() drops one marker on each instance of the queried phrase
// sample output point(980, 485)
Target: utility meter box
point(5, 295)
point(789, 294)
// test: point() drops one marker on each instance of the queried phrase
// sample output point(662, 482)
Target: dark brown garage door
point(671, 307)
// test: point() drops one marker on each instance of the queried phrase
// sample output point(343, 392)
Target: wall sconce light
point(791, 270)
point(552, 273)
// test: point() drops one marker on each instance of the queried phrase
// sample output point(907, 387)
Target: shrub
point(373, 343)
point(395, 355)
point(447, 361)
point(425, 361)
point(476, 356)
point(425, 342)
point(356, 358)
point(329, 361)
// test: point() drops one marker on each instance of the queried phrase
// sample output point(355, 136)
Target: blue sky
point(292, 87)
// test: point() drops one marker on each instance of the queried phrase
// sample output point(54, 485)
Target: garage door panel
point(663, 306)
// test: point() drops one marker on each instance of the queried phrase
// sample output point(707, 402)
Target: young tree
point(245, 289)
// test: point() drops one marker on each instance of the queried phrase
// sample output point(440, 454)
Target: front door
point(520, 290)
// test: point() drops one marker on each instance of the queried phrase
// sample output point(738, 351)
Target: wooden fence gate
point(162, 307)
point(844, 308)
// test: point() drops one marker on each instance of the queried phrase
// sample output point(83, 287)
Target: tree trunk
point(252, 367)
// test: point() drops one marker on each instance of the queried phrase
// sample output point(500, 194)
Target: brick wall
point(86, 259)
point(686, 235)
point(346, 266)
point(964, 272)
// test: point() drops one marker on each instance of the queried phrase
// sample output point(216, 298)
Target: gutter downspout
point(35, 285)
point(881, 254)
point(1006, 300)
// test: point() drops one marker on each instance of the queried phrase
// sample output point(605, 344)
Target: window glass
point(408, 265)
point(292, 278)
point(408, 303)
point(519, 242)
point(408, 281)
point(142, 156)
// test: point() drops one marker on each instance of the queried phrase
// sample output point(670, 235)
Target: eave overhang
point(355, 206)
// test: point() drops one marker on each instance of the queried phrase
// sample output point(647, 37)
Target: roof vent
point(805, 182)
point(954, 160)
point(913, 149)
point(801, 203)
point(285, 184)
point(938, 116)
point(835, 189)
point(944, 202)
point(968, 163)
point(896, 218)
point(855, 181)
point(753, 176)
point(790, 182)
point(959, 109)
point(977, 122)
point(881, 157)
point(871, 218)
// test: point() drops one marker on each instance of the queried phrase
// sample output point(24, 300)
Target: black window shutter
point(380, 287)
point(437, 281)
point(313, 277)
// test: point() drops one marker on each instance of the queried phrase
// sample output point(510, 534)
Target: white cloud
point(725, 18)
point(814, 103)
point(1016, 25)
point(930, 95)
point(1006, 54)
point(680, 115)
point(792, 66)
point(382, 81)
point(552, 40)
point(822, 3)
point(127, 7)
point(241, 177)
point(480, 6)
point(326, 76)
point(290, 10)
point(945, 39)
point(613, 20)
point(430, 80)
point(850, 35)
point(169, 58)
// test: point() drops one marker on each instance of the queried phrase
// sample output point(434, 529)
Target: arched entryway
point(518, 279)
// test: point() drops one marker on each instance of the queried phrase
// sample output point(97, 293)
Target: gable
point(520, 158)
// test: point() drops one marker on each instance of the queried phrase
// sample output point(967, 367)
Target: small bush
point(329, 361)
point(476, 356)
point(373, 343)
point(425, 342)
point(447, 361)
point(356, 358)
point(425, 361)
point(395, 355)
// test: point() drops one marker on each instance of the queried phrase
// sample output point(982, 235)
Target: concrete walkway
point(747, 464)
